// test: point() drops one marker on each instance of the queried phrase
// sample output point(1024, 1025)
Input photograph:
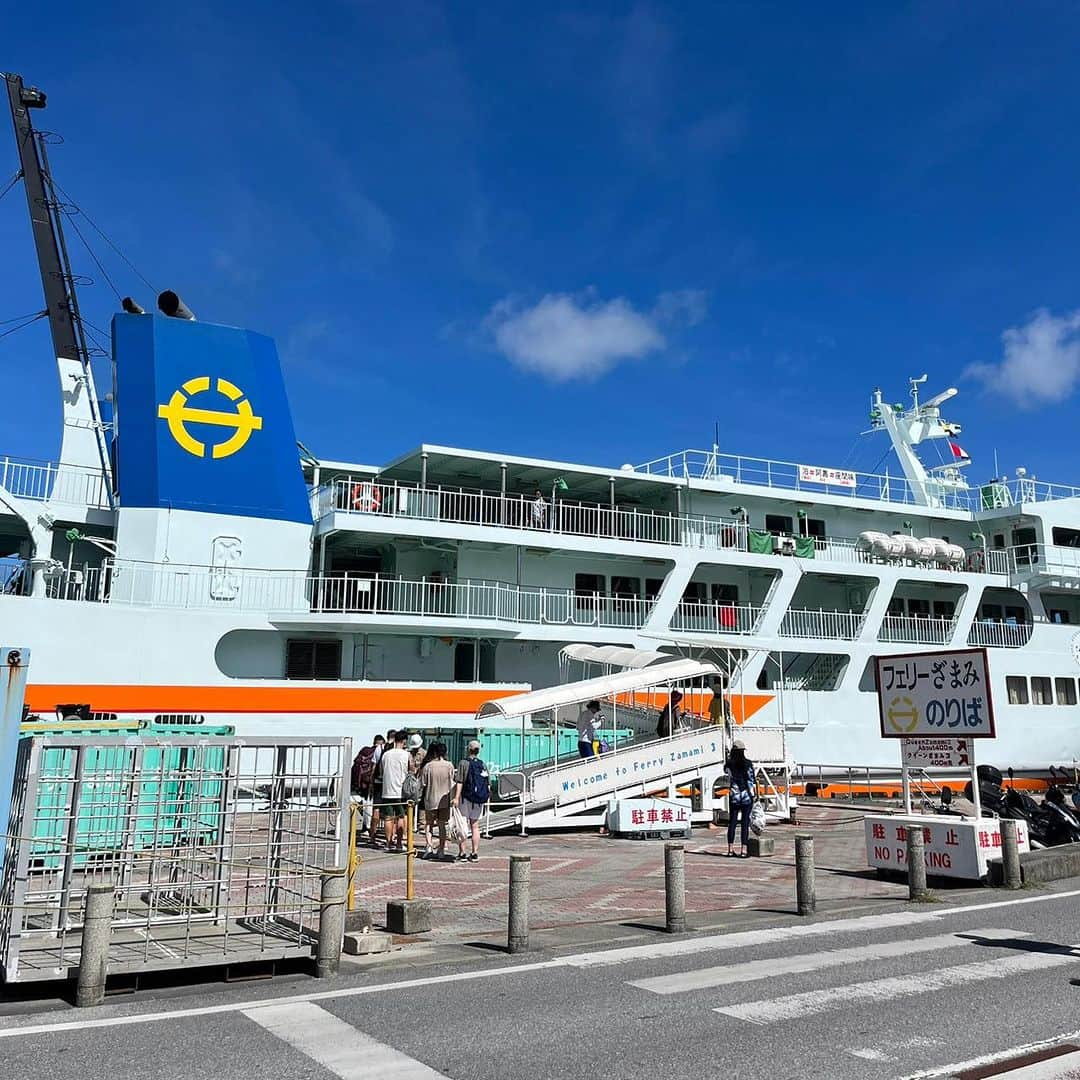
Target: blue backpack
point(476, 788)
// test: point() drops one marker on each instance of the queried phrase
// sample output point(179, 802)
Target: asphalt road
point(921, 989)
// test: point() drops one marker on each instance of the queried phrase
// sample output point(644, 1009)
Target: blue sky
point(581, 231)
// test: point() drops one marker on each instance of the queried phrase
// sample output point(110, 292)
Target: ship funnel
point(170, 304)
point(131, 307)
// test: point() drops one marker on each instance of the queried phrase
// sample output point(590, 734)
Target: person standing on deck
point(586, 729)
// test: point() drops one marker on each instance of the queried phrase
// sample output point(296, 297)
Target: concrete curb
point(1036, 867)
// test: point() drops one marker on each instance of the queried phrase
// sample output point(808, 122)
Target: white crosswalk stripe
point(795, 1006)
point(336, 1045)
point(726, 975)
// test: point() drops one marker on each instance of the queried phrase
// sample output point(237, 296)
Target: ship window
point(179, 718)
point(694, 593)
point(1058, 615)
point(310, 659)
point(814, 527)
point(725, 594)
point(896, 606)
point(653, 585)
point(944, 609)
point(487, 661)
point(919, 608)
point(587, 584)
point(1016, 685)
point(1067, 537)
point(999, 540)
point(1066, 691)
point(464, 661)
point(1024, 541)
point(777, 523)
point(1040, 690)
point(990, 613)
point(625, 588)
point(1016, 616)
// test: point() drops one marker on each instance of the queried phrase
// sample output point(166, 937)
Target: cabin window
point(464, 661)
point(1066, 691)
point(1066, 537)
point(990, 613)
point(777, 524)
point(814, 527)
point(653, 585)
point(1016, 686)
point(944, 609)
point(919, 608)
point(694, 593)
point(1040, 690)
point(311, 659)
point(1017, 616)
point(486, 669)
point(999, 541)
point(725, 594)
point(1024, 541)
point(896, 606)
point(625, 588)
point(1058, 615)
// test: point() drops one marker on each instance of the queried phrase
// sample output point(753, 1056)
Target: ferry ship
point(186, 560)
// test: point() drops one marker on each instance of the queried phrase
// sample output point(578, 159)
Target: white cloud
point(1040, 363)
point(568, 337)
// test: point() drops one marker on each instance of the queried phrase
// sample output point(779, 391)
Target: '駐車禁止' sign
point(817, 474)
point(940, 694)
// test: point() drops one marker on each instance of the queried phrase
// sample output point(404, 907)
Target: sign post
point(13, 666)
point(937, 704)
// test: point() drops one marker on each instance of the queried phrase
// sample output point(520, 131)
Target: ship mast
point(57, 281)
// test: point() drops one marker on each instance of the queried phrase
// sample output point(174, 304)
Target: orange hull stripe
point(260, 699)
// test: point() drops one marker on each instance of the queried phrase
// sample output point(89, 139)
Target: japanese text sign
point(938, 694)
point(937, 753)
point(817, 474)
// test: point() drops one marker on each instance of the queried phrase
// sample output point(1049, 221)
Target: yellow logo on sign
point(178, 413)
point(902, 714)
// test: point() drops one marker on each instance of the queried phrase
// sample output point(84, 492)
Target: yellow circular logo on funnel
point(178, 413)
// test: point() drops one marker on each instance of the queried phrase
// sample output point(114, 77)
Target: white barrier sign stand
point(13, 665)
point(936, 695)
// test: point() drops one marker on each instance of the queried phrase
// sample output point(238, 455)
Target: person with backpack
point(471, 795)
point(362, 785)
point(740, 770)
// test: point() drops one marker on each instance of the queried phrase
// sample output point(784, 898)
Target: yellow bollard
point(354, 860)
point(409, 852)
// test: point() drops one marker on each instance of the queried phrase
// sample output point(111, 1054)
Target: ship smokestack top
point(131, 307)
point(169, 303)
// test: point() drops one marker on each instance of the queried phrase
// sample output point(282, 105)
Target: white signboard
point(955, 847)
point(655, 761)
point(648, 815)
point(817, 474)
point(937, 753)
point(943, 693)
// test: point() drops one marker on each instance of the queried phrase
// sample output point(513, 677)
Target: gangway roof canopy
point(622, 682)
point(614, 655)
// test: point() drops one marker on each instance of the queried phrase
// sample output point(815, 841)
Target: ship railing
point(791, 476)
point(40, 481)
point(1005, 635)
point(1051, 559)
point(916, 630)
point(712, 617)
point(1025, 489)
point(285, 591)
point(515, 511)
point(838, 625)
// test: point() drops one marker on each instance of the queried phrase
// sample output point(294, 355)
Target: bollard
point(916, 863)
point(410, 853)
point(805, 889)
point(331, 922)
point(1010, 854)
point(517, 922)
point(94, 952)
point(675, 888)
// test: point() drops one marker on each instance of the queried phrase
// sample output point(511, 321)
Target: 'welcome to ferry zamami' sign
point(648, 763)
point(935, 694)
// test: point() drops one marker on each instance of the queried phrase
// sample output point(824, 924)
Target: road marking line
point(690, 945)
point(708, 978)
point(336, 1045)
point(795, 1006)
point(942, 1071)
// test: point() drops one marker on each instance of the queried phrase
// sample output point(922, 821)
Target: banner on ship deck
point(945, 693)
point(817, 474)
point(13, 665)
point(202, 421)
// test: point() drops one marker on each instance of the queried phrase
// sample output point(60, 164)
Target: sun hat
point(738, 744)
point(415, 742)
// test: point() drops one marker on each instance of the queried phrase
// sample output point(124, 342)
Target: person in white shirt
point(539, 510)
point(586, 729)
point(395, 767)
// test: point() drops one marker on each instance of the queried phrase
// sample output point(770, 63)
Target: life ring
point(366, 497)
point(976, 561)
